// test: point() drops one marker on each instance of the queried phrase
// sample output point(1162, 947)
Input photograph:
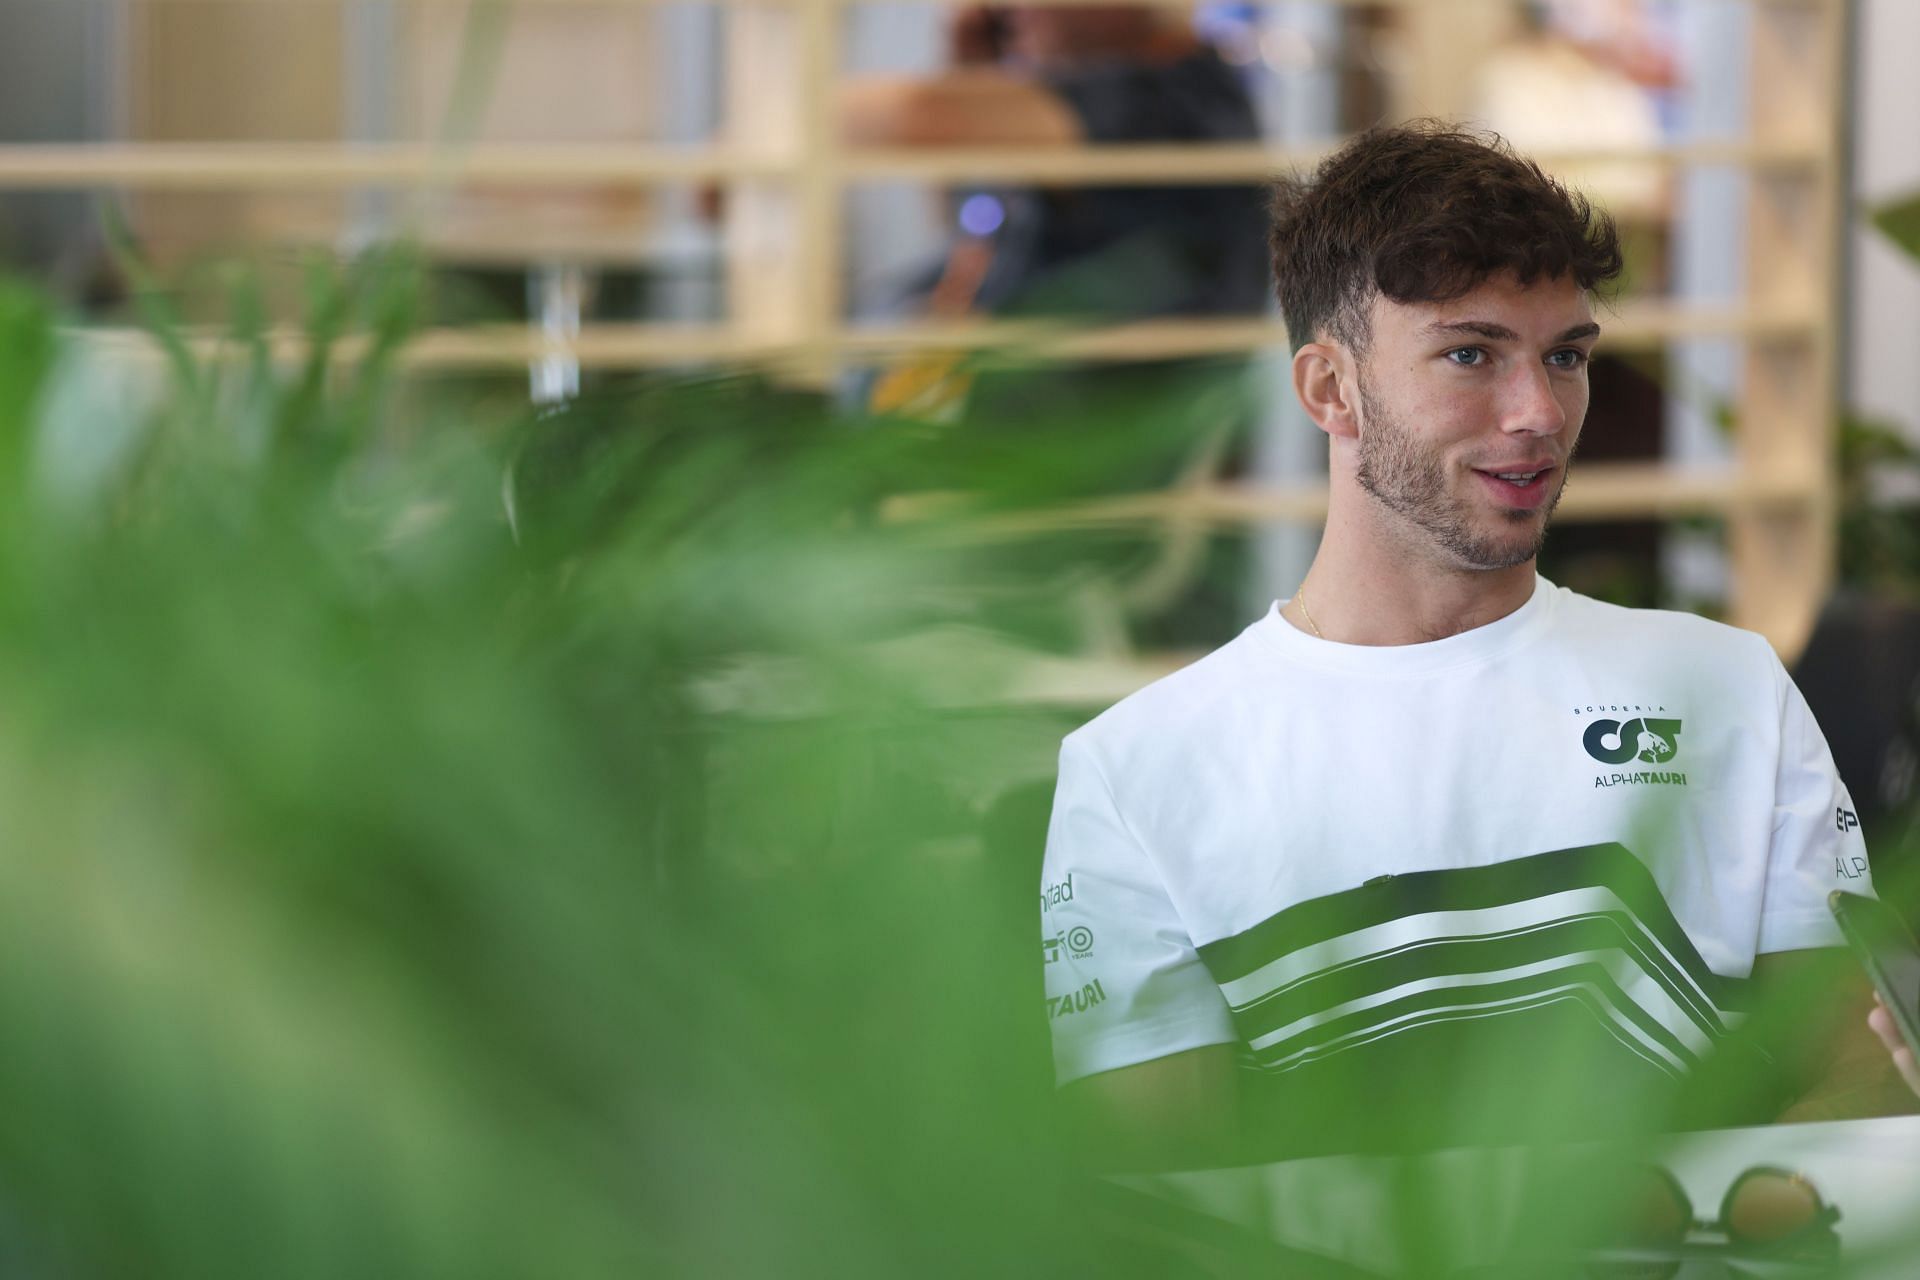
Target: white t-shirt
point(1316, 851)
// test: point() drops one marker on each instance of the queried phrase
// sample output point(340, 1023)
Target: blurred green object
point(1899, 220)
point(448, 840)
point(1879, 509)
point(590, 844)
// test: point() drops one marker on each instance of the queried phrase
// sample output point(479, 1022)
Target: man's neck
point(1372, 590)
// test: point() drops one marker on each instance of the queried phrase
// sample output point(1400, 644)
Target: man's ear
point(1326, 380)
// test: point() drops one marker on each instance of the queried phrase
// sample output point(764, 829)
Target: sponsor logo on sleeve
point(1076, 942)
point(1053, 895)
point(1847, 866)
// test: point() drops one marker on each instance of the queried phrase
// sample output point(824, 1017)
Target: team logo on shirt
point(1076, 1001)
point(1643, 739)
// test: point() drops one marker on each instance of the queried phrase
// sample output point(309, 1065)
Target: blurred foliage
point(1899, 220)
point(1879, 508)
point(590, 843)
point(449, 839)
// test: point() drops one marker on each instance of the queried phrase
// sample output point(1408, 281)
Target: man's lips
point(1525, 496)
point(1523, 465)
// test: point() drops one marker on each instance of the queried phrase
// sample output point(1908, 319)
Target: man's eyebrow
point(1500, 333)
point(1475, 328)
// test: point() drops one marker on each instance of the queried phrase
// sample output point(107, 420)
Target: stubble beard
point(1412, 483)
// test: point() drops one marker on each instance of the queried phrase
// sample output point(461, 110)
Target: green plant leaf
point(1899, 221)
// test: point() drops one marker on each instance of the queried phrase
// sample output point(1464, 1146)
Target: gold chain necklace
point(1301, 596)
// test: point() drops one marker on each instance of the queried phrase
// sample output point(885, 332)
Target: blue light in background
point(981, 215)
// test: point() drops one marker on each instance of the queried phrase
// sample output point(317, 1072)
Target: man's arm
point(1814, 1005)
point(1811, 1004)
point(1176, 1112)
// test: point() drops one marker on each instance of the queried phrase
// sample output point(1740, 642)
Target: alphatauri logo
point(1647, 740)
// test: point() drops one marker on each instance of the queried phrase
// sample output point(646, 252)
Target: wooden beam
point(1783, 559)
point(277, 166)
point(1597, 493)
point(230, 166)
point(612, 346)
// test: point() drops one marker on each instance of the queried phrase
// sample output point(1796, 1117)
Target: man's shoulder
point(1671, 633)
point(1628, 653)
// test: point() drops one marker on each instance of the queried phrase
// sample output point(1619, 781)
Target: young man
point(1437, 852)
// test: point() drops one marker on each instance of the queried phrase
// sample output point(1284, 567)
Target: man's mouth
point(1524, 486)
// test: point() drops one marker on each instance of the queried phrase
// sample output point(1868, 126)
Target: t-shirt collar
point(1476, 645)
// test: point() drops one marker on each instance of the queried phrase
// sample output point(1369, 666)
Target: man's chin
point(1516, 543)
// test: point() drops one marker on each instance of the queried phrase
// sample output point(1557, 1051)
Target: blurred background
point(862, 197)
point(845, 192)
point(722, 447)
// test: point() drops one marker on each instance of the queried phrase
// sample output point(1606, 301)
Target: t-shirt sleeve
point(1123, 982)
point(1817, 846)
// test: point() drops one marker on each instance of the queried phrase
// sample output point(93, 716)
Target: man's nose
point(1530, 405)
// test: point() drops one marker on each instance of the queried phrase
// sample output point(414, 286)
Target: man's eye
point(1467, 357)
point(1571, 358)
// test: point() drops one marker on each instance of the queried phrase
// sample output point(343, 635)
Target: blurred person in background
point(1437, 853)
point(1062, 77)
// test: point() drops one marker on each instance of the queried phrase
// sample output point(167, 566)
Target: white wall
point(1881, 365)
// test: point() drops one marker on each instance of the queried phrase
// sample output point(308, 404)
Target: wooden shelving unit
point(786, 171)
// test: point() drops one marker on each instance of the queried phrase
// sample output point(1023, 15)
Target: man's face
point(1469, 411)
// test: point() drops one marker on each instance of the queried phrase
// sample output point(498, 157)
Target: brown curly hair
point(1423, 212)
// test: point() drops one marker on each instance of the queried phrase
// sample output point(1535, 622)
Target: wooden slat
point(1644, 324)
point(615, 346)
point(314, 165)
point(618, 346)
point(1635, 325)
point(501, 347)
point(1144, 165)
point(1187, 163)
point(1045, 340)
point(1597, 493)
point(600, 346)
point(233, 166)
point(642, 346)
point(820, 208)
point(1783, 561)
